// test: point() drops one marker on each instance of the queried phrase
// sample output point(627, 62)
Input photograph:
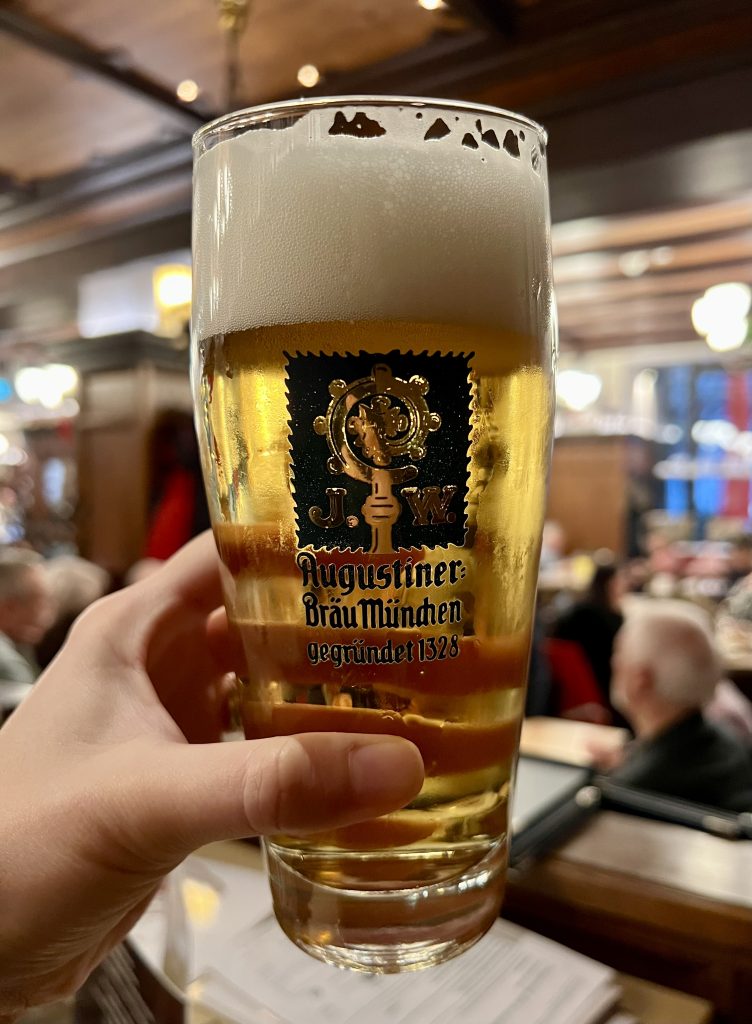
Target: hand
point(605, 757)
point(111, 775)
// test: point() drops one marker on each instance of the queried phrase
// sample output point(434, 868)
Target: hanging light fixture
point(233, 18)
point(309, 76)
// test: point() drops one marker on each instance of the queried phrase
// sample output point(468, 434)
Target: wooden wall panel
point(588, 492)
point(118, 409)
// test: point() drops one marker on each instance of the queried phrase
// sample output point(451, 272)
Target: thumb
point(190, 795)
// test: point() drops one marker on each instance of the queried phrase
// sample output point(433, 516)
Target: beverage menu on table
point(215, 931)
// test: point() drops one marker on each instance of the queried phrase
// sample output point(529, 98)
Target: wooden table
point(563, 740)
point(667, 903)
point(656, 1004)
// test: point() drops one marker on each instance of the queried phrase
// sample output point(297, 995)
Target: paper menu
point(510, 977)
point(238, 962)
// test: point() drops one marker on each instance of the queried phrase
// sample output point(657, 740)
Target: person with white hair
point(26, 612)
point(665, 670)
point(74, 583)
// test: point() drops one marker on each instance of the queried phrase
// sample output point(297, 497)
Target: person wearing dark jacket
point(665, 669)
point(593, 624)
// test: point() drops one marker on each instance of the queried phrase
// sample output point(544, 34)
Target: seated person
point(592, 624)
point(740, 560)
point(26, 612)
point(665, 669)
point(75, 584)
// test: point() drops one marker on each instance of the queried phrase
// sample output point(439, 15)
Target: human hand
point(605, 757)
point(112, 774)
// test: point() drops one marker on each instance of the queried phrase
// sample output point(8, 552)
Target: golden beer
point(373, 339)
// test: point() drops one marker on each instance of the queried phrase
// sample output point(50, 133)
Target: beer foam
point(439, 216)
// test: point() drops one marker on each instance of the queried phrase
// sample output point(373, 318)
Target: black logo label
point(379, 449)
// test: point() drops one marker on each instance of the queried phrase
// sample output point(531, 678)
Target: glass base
point(387, 928)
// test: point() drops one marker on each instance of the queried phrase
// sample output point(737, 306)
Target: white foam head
point(301, 225)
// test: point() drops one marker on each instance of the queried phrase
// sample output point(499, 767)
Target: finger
point(190, 577)
point(201, 712)
point(188, 585)
point(187, 796)
point(183, 668)
point(172, 608)
point(226, 644)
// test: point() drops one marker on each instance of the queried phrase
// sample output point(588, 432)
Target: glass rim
point(248, 116)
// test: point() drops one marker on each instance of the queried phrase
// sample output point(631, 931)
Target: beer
point(372, 368)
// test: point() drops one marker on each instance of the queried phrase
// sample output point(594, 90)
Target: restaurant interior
point(647, 109)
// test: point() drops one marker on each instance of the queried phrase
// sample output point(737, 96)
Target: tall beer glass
point(372, 364)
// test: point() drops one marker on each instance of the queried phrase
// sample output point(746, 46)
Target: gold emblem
point(372, 426)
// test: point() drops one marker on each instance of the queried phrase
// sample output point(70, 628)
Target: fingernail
point(384, 766)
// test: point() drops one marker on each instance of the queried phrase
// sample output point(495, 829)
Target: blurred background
point(650, 129)
point(650, 150)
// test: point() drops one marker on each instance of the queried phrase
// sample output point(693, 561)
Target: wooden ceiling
point(89, 119)
point(651, 141)
point(632, 280)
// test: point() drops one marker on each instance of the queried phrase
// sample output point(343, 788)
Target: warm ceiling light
point(172, 286)
point(634, 263)
point(46, 385)
point(63, 378)
point(28, 383)
point(309, 76)
point(728, 336)
point(720, 315)
point(431, 5)
point(577, 390)
point(188, 91)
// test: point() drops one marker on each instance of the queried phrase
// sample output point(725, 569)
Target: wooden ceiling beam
point(656, 307)
point(94, 249)
point(44, 35)
point(134, 170)
point(573, 343)
point(661, 227)
point(642, 43)
point(693, 282)
point(603, 266)
point(502, 16)
point(668, 38)
point(631, 325)
point(100, 220)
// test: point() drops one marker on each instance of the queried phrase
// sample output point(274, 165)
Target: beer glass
point(373, 339)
